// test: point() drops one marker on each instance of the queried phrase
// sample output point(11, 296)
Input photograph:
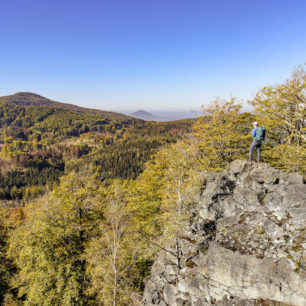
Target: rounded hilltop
point(141, 114)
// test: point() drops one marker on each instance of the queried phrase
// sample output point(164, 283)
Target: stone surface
point(136, 299)
point(246, 245)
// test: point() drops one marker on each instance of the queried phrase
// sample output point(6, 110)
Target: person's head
point(255, 124)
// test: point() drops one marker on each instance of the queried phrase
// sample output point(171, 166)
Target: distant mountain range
point(33, 99)
point(164, 115)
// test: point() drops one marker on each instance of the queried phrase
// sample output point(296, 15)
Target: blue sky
point(148, 54)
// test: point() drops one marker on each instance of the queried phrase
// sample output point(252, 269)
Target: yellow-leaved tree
point(113, 253)
point(281, 109)
point(48, 247)
point(4, 265)
point(222, 134)
point(164, 196)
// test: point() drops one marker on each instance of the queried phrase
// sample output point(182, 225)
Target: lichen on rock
point(246, 245)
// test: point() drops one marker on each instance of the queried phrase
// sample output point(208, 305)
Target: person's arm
point(254, 132)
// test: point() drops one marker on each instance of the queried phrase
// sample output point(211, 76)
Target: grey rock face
point(246, 245)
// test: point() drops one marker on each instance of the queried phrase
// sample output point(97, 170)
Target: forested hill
point(32, 99)
point(40, 140)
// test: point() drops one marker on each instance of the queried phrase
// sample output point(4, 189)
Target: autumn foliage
point(89, 232)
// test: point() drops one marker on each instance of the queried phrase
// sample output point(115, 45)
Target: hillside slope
point(32, 99)
point(41, 139)
point(246, 245)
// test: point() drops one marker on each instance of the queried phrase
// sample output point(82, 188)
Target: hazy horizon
point(162, 54)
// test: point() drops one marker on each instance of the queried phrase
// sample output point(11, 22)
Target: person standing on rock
point(258, 133)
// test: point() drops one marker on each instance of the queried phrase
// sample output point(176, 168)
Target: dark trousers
point(255, 144)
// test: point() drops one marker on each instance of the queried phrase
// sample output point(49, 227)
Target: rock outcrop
point(246, 245)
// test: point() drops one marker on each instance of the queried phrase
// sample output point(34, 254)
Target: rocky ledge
point(246, 245)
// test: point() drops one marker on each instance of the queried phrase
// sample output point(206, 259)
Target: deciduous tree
point(281, 109)
point(48, 248)
point(222, 133)
point(112, 254)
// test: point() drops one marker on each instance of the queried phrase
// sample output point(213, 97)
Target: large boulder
point(246, 245)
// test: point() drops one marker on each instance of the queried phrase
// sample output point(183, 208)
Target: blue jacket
point(254, 132)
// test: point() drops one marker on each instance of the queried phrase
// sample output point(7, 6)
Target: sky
point(148, 54)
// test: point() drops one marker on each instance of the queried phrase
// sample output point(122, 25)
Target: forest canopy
point(97, 197)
